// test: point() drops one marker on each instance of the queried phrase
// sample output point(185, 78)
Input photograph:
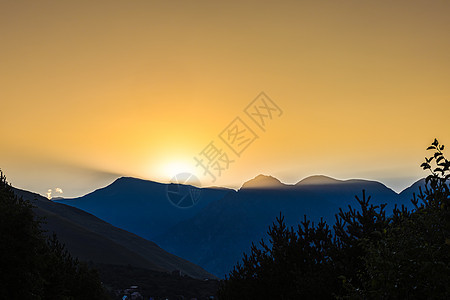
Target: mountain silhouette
point(262, 182)
point(142, 206)
point(217, 237)
point(222, 225)
point(318, 179)
point(94, 240)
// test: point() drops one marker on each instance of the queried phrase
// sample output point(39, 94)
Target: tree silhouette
point(413, 258)
point(367, 255)
point(33, 266)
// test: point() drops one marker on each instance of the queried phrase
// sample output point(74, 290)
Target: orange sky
point(92, 90)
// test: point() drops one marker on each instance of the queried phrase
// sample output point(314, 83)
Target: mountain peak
point(262, 181)
point(317, 180)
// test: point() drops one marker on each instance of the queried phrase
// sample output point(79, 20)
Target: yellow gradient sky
point(92, 90)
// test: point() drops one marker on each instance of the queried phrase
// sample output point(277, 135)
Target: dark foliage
point(367, 255)
point(296, 263)
point(33, 266)
point(412, 261)
point(159, 285)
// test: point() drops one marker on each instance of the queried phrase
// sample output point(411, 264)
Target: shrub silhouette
point(33, 266)
point(367, 255)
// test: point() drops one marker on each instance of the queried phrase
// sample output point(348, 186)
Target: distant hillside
point(141, 206)
point(94, 240)
point(263, 182)
point(216, 237)
point(214, 233)
point(407, 193)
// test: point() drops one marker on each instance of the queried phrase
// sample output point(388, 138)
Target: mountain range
point(220, 227)
point(93, 240)
point(141, 206)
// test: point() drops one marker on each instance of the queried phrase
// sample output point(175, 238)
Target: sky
point(94, 90)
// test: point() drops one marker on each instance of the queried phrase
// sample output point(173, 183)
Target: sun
point(173, 168)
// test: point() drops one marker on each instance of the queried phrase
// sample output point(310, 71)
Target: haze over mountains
point(222, 225)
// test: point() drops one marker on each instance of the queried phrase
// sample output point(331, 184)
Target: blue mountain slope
point(215, 232)
point(140, 206)
point(407, 194)
point(90, 239)
point(216, 238)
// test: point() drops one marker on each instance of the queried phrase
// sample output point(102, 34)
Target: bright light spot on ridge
point(173, 168)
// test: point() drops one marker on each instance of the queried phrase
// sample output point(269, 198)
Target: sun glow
point(171, 169)
point(141, 88)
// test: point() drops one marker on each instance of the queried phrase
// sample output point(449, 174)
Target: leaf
point(431, 147)
point(441, 147)
point(435, 143)
point(425, 166)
